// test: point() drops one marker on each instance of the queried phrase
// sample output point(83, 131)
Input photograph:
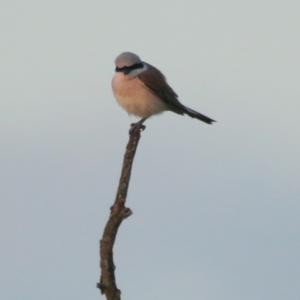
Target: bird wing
point(156, 82)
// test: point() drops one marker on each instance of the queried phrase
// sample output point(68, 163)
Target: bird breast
point(135, 97)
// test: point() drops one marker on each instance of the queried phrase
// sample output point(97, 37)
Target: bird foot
point(136, 126)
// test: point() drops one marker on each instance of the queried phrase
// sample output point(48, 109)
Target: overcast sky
point(216, 208)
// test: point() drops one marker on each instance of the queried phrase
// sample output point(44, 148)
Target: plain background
point(216, 208)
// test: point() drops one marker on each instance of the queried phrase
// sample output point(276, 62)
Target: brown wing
point(156, 82)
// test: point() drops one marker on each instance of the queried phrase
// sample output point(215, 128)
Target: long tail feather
point(194, 114)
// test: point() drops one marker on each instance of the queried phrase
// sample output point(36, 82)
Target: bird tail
point(194, 114)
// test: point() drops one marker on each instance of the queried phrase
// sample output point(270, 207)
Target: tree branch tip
point(136, 129)
point(101, 287)
point(126, 212)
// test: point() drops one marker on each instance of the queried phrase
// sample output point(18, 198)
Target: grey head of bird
point(127, 62)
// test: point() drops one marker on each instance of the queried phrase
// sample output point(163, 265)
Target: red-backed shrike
point(142, 90)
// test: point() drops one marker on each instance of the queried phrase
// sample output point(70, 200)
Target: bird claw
point(136, 126)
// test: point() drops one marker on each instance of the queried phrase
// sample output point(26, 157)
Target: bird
point(142, 90)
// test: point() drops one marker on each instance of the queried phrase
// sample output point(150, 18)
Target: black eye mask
point(127, 70)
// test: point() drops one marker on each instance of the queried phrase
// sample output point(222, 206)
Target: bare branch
point(119, 212)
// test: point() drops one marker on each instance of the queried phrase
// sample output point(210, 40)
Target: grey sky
point(216, 208)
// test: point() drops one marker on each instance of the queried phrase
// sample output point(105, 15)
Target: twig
point(119, 212)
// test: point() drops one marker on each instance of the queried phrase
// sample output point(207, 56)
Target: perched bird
point(142, 90)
